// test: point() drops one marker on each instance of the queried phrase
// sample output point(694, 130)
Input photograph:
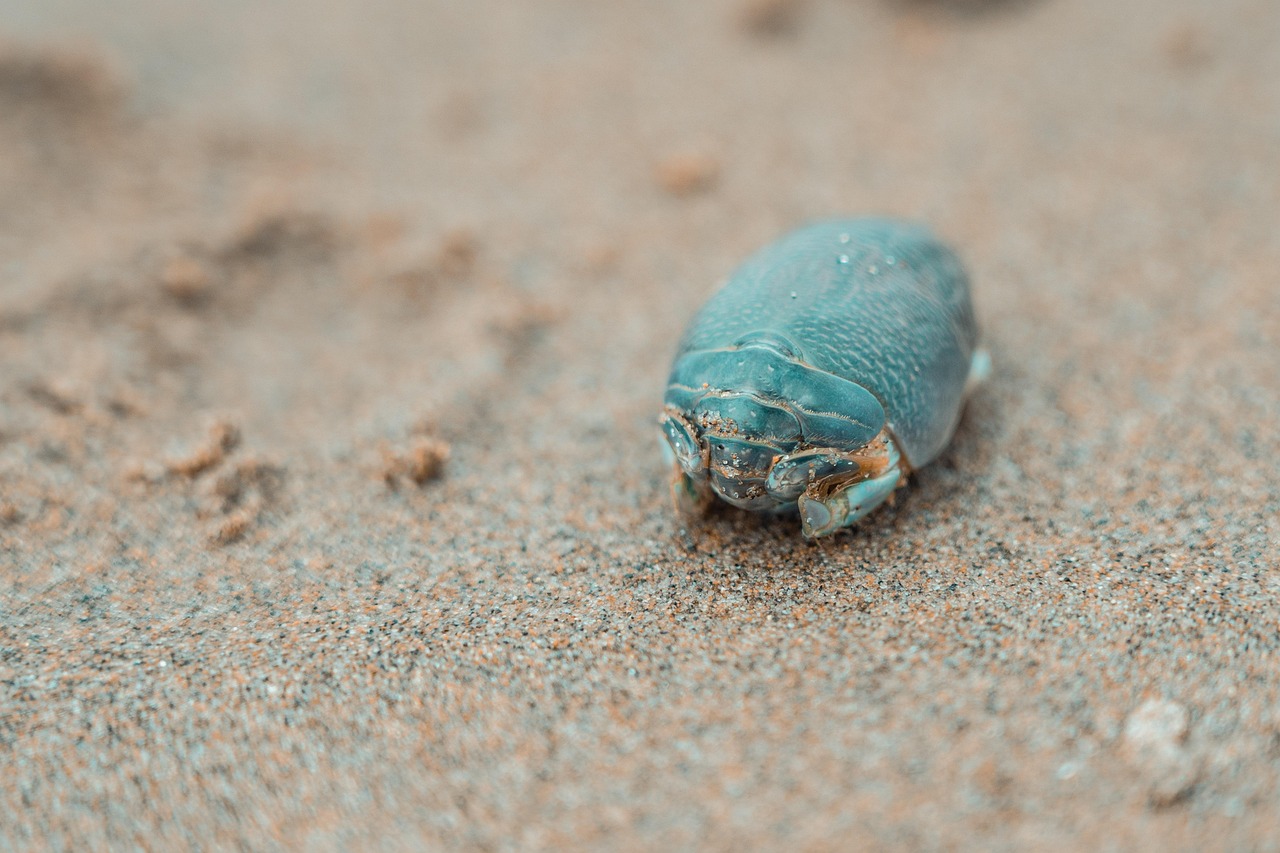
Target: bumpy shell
point(880, 303)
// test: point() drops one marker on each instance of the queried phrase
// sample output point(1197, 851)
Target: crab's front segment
point(765, 431)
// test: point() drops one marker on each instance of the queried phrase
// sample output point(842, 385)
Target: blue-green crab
point(829, 366)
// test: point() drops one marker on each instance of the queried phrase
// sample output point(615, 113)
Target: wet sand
point(332, 339)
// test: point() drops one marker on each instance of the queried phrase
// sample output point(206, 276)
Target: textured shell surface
point(879, 303)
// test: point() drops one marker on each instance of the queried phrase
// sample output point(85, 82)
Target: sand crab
point(829, 366)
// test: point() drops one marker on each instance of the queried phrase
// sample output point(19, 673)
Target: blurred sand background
point(332, 337)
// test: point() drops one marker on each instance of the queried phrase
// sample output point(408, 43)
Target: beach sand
point(332, 512)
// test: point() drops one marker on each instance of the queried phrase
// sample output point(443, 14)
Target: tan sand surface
point(332, 338)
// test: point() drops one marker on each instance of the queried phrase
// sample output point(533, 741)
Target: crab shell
point(831, 355)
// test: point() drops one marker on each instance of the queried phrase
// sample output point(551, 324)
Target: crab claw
point(824, 516)
point(833, 499)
